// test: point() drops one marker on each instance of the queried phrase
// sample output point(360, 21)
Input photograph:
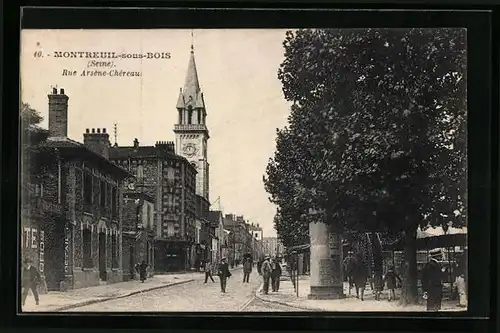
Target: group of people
point(222, 272)
point(270, 270)
point(357, 273)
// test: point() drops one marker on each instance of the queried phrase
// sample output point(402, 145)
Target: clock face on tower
point(189, 149)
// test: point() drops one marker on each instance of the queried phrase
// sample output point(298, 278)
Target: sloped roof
point(74, 148)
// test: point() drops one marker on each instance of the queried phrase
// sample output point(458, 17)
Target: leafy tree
point(376, 138)
point(32, 133)
point(291, 231)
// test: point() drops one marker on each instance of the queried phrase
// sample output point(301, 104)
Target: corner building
point(171, 181)
point(72, 212)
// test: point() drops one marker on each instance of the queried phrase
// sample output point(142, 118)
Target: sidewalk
point(59, 301)
point(287, 296)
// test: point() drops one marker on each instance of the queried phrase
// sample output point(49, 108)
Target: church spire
point(191, 93)
point(192, 42)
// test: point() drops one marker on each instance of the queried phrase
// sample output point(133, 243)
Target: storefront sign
point(66, 251)
point(42, 247)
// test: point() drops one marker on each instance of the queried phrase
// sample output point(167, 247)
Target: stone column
point(326, 262)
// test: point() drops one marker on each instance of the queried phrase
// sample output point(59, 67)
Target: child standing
point(391, 278)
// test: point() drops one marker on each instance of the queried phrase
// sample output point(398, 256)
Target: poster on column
point(236, 133)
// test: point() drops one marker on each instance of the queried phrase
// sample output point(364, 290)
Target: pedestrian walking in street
point(223, 273)
point(247, 269)
point(275, 275)
point(266, 274)
point(143, 269)
point(361, 274)
point(391, 278)
point(378, 284)
point(461, 288)
point(432, 281)
point(348, 265)
point(30, 280)
point(208, 271)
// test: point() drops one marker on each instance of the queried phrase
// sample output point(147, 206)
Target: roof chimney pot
point(54, 91)
point(62, 91)
point(87, 131)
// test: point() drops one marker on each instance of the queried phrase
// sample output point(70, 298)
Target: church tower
point(191, 133)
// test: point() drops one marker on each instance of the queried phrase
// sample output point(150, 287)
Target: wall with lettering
point(32, 246)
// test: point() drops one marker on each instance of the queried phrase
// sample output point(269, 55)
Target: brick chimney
point(58, 113)
point(97, 141)
point(166, 145)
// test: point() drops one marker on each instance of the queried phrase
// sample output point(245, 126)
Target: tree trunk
point(325, 262)
point(409, 292)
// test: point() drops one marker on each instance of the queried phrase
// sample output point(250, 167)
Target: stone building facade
point(239, 239)
point(272, 246)
point(216, 219)
point(74, 210)
point(257, 235)
point(171, 181)
point(138, 233)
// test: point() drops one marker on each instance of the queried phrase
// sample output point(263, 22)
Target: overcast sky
point(237, 70)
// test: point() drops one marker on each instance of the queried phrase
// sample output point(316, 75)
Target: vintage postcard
point(243, 170)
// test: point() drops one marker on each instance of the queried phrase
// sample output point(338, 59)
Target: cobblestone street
point(193, 296)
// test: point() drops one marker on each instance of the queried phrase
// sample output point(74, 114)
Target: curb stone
point(259, 296)
point(94, 301)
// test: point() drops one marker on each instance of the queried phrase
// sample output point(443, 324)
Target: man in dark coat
point(275, 275)
point(432, 281)
point(223, 273)
point(142, 268)
point(30, 280)
point(360, 274)
point(391, 278)
point(348, 265)
point(266, 274)
point(247, 269)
